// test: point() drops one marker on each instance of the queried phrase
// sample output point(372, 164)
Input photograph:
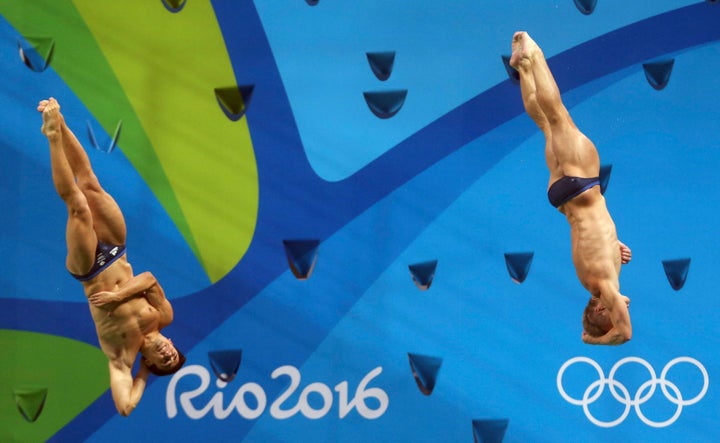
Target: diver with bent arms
point(574, 189)
point(128, 310)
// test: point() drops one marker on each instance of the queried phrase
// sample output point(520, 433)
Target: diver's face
point(162, 353)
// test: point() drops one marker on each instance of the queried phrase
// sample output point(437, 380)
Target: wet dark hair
point(593, 323)
point(162, 372)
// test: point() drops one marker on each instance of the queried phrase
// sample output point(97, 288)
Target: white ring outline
point(697, 364)
point(617, 421)
point(572, 361)
point(640, 361)
point(669, 421)
point(640, 396)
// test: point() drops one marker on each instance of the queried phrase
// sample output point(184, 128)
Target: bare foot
point(523, 48)
point(625, 253)
point(52, 122)
point(41, 105)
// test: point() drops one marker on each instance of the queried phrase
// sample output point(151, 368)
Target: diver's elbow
point(625, 336)
point(126, 409)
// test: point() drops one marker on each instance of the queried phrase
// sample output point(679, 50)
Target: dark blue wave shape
point(282, 165)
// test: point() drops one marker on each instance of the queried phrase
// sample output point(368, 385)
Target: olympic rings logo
point(641, 396)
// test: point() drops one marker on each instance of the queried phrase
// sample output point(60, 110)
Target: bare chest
point(127, 323)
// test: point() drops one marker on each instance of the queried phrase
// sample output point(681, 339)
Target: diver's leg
point(107, 216)
point(80, 235)
point(574, 152)
point(528, 92)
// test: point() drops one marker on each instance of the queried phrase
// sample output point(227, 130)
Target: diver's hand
point(104, 299)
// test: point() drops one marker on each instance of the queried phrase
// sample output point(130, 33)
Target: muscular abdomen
point(111, 278)
point(595, 248)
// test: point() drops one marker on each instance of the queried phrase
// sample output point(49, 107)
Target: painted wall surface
point(245, 126)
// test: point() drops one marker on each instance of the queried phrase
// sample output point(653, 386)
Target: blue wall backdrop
point(384, 147)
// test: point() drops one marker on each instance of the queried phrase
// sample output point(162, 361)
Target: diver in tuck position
point(574, 189)
point(128, 311)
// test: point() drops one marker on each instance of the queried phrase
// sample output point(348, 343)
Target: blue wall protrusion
point(658, 73)
point(381, 64)
point(511, 72)
point(301, 256)
point(586, 6)
point(518, 265)
point(37, 53)
point(489, 431)
point(385, 104)
point(111, 143)
point(676, 272)
point(423, 273)
point(225, 364)
point(605, 171)
point(425, 370)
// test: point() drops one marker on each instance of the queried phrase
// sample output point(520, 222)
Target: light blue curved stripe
point(446, 53)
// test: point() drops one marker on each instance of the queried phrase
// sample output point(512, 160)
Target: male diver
point(129, 311)
point(574, 189)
